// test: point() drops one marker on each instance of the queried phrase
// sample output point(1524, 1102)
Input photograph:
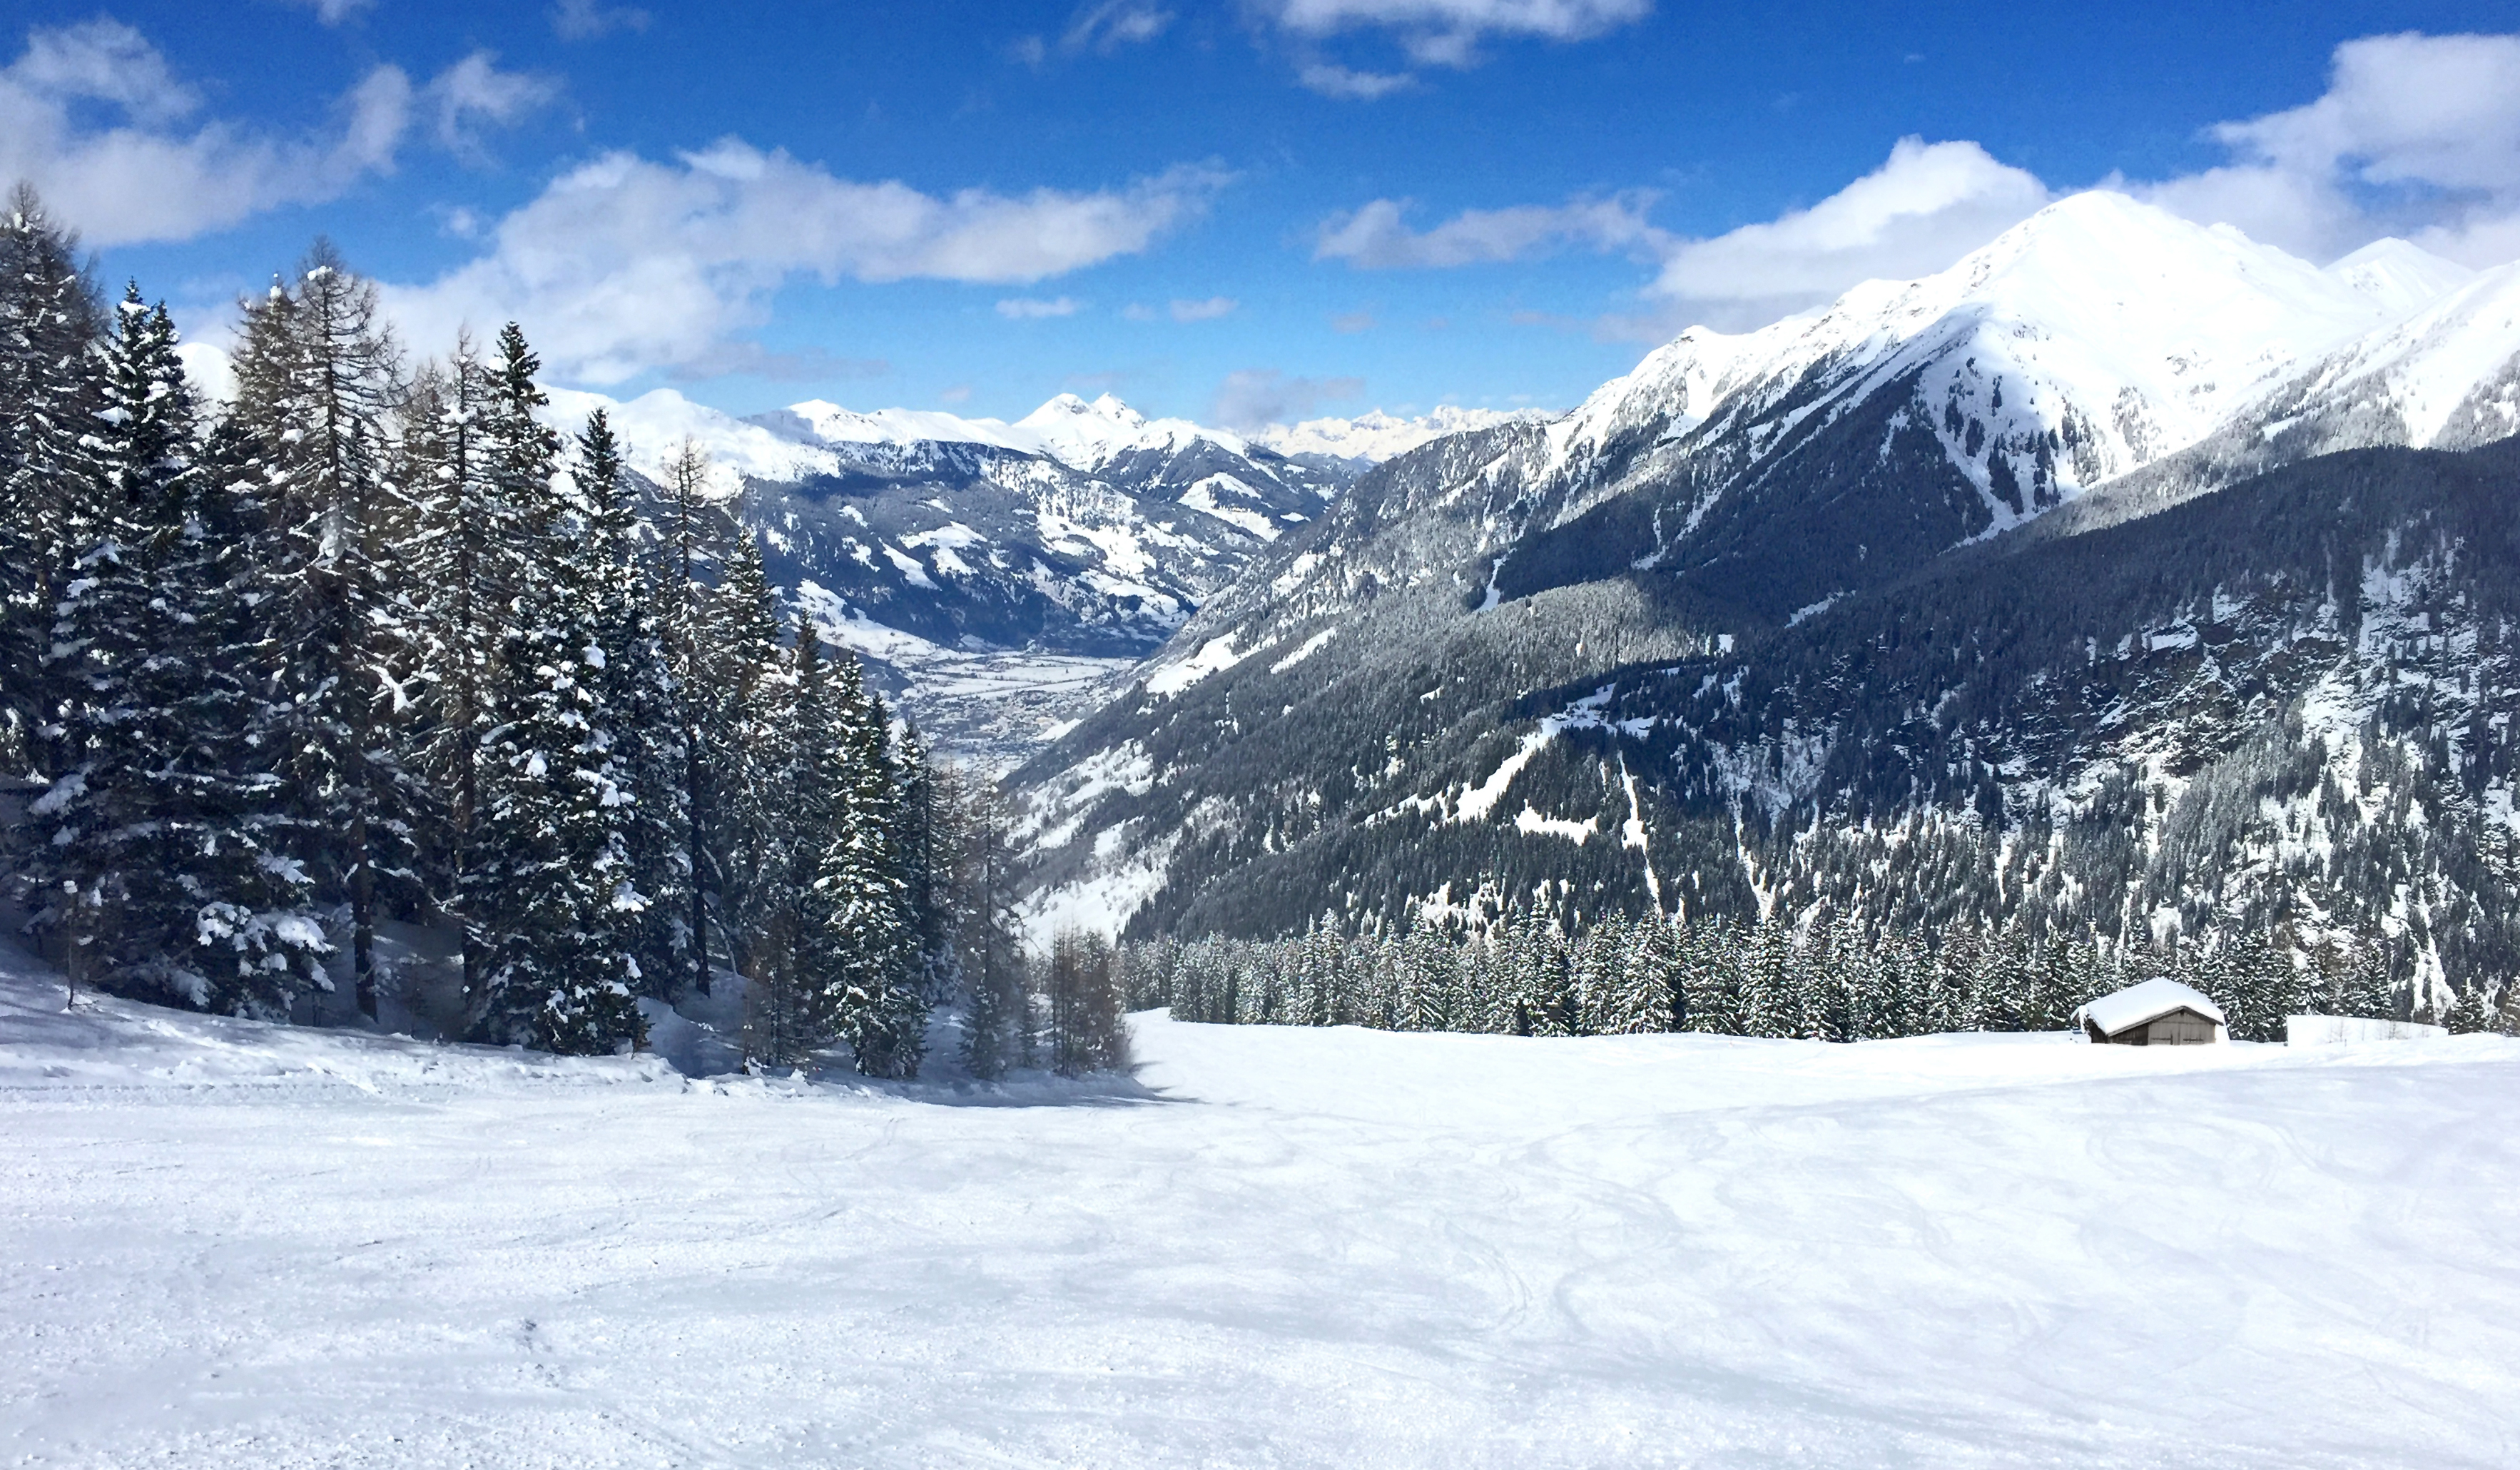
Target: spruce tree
point(156, 859)
point(51, 324)
point(877, 1004)
point(637, 690)
point(687, 545)
point(556, 887)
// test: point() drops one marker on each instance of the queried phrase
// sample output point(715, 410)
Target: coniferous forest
point(1833, 980)
point(371, 644)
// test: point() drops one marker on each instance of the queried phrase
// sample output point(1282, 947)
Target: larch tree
point(318, 376)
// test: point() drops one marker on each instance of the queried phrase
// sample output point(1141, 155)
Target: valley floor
point(234, 1245)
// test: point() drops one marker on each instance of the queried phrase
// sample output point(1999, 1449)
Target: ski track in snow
point(233, 1245)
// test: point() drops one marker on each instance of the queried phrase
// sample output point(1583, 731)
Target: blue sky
point(1234, 210)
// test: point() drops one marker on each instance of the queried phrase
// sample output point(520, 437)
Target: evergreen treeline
point(372, 644)
point(1831, 981)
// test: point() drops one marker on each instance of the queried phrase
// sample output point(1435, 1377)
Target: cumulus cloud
point(1924, 208)
point(1032, 309)
point(1377, 237)
point(588, 19)
point(2415, 135)
point(626, 264)
point(1448, 32)
point(1258, 396)
point(93, 117)
point(2418, 134)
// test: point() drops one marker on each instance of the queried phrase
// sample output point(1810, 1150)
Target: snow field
point(236, 1245)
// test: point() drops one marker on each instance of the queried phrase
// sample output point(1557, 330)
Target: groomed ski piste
point(232, 1243)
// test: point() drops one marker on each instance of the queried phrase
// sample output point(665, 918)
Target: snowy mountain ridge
point(1437, 634)
point(2084, 343)
point(817, 436)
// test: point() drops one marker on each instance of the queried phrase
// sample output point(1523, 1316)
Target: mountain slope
point(996, 576)
point(1358, 723)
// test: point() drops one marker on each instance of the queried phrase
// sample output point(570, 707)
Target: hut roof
point(2149, 1001)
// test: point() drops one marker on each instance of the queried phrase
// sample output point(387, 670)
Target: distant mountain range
point(1895, 607)
point(998, 576)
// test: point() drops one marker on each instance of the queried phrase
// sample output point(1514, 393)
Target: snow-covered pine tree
point(687, 545)
point(877, 1004)
point(792, 788)
point(51, 322)
point(155, 861)
point(555, 891)
point(466, 561)
point(745, 682)
point(318, 375)
point(641, 702)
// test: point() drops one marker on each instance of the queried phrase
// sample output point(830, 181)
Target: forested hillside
point(372, 645)
point(1885, 616)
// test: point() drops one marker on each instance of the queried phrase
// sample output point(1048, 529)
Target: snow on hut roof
point(2137, 1005)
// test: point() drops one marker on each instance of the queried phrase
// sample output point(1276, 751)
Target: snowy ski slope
point(230, 1245)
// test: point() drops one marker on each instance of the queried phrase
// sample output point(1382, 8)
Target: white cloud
point(1352, 86)
point(334, 12)
point(587, 19)
point(1447, 33)
point(1203, 311)
point(149, 173)
point(475, 91)
point(93, 117)
point(1255, 396)
point(626, 264)
point(1030, 310)
point(1924, 208)
point(1111, 25)
point(1375, 238)
point(2416, 134)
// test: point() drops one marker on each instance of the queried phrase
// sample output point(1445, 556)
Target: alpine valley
point(1002, 580)
point(2128, 578)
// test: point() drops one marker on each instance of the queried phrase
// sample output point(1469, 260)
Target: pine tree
point(997, 1029)
point(555, 889)
point(686, 543)
point(155, 860)
point(468, 554)
point(744, 689)
point(318, 375)
point(928, 840)
point(876, 1002)
point(783, 926)
point(50, 326)
point(637, 692)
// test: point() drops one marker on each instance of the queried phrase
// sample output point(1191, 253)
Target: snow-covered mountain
point(1371, 438)
point(2086, 342)
point(1357, 719)
point(996, 576)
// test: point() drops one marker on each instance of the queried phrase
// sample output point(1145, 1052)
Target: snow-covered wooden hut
point(2155, 1013)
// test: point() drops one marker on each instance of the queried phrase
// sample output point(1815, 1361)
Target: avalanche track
point(232, 1245)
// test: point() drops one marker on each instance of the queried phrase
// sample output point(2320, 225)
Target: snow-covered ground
point(230, 1245)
